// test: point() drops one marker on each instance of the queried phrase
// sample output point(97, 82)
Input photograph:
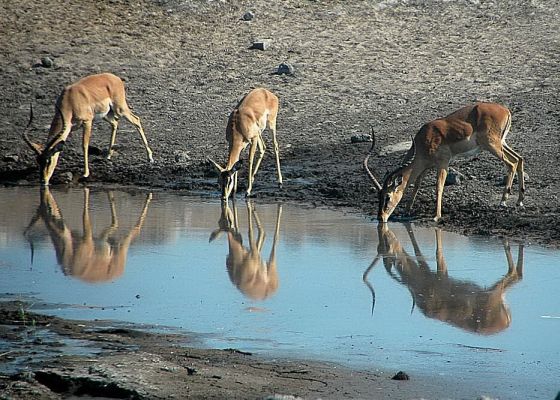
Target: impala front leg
point(85, 145)
point(252, 152)
point(442, 174)
point(114, 125)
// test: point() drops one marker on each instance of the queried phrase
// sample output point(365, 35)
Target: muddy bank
point(51, 358)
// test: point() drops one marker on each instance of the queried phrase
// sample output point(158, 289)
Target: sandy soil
point(391, 65)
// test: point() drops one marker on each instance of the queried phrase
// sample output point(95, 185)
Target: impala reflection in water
point(459, 303)
point(82, 255)
point(255, 278)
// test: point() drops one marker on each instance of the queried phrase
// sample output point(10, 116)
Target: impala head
point(226, 178)
point(394, 184)
point(390, 194)
point(46, 156)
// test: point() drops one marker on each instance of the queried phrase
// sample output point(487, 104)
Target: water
point(297, 284)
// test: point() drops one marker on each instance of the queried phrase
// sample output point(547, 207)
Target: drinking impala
point(482, 126)
point(100, 95)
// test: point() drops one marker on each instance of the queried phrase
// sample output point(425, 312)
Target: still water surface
point(287, 280)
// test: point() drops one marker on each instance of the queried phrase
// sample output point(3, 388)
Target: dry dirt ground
point(391, 65)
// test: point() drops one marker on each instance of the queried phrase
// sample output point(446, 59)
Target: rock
point(65, 177)
point(361, 138)
point(248, 16)
point(47, 62)
point(401, 376)
point(285, 69)
point(95, 151)
point(261, 44)
point(181, 156)
point(11, 158)
point(453, 177)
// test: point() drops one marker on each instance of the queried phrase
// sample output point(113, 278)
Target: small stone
point(401, 376)
point(453, 178)
point(261, 44)
point(285, 69)
point(95, 151)
point(248, 16)
point(65, 177)
point(11, 158)
point(361, 138)
point(47, 62)
point(181, 156)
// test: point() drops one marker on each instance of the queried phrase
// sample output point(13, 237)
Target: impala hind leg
point(520, 169)
point(113, 120)
point(510, 161)
point(272, 125)
point(135, 120)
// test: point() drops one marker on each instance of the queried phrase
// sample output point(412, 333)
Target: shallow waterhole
point(287, 280)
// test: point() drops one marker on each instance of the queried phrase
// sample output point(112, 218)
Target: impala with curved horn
point(481, 126)
point(245, 126)
point(101, 95)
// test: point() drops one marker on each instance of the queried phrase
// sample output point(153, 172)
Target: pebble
point(285, 69)
point(248, 16)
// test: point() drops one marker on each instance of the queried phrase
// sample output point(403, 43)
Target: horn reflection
point(255, 278)
point(463, 304)
point(83, 255)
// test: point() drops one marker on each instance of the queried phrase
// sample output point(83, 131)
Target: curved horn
point(408, 159)
point(373, 178)
point(220, 168)
point(34, 146)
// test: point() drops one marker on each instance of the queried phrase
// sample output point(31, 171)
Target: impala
point(94, 96)
point(90, 258)
point(463, 304)
point(254, 277)
point(245, 126)
point(482, 126)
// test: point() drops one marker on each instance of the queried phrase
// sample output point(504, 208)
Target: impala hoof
point(503, 204)
point(520, 204)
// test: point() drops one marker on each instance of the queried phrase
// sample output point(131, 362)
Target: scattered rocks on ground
point(248, 16)
point(285, 69)
point(47, 62)
point(361, 138)
point(261, 44)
